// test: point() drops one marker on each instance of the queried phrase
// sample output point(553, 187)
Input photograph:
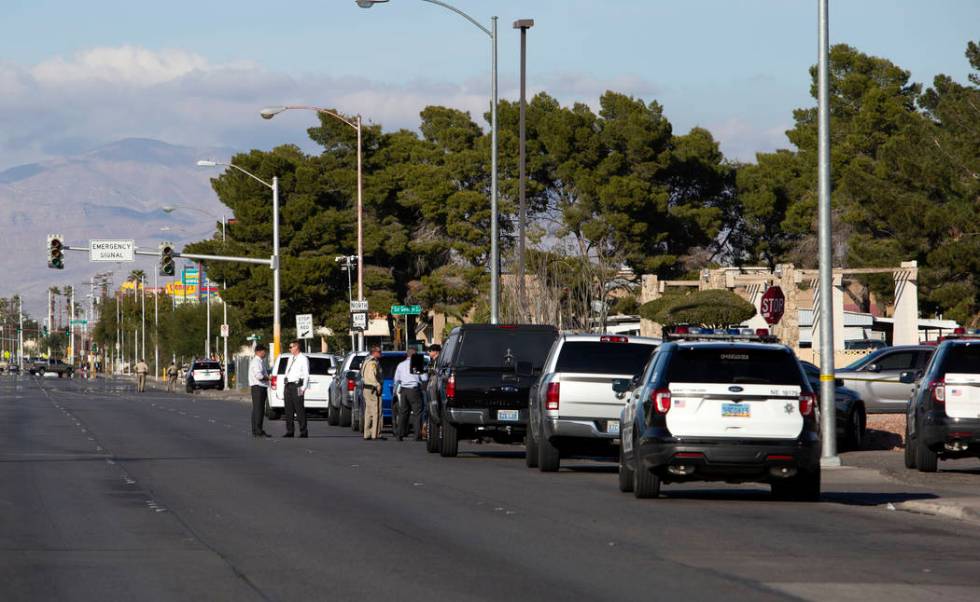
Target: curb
point(965, 509)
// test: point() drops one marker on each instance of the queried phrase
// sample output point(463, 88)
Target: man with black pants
point(258, 380)
point(297, 378)
point(408, 381)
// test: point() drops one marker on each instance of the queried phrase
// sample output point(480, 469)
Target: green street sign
point(253, 337)
point(406, 310)
point(79, 322)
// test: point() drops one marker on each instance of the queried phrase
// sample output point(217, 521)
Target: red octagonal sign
point(773, 304)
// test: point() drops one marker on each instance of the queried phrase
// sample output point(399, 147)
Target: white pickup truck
point(574, 411)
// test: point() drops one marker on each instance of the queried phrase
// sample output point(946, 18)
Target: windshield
point(864, 361)
point(962, 359)
point(594, 357)
point(733, 366)
point(502, 348)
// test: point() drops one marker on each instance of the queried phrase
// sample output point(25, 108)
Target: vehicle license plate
point(736, 410)
point(612, 427)
point(508, 415)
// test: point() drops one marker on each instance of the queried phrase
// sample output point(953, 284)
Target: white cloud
point(130, 65)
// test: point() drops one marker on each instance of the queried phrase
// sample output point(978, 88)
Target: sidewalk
point(239, 395)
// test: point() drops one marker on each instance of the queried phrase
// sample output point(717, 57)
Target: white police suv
point(729, 405)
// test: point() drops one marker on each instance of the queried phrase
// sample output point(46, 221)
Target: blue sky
point(192, 72)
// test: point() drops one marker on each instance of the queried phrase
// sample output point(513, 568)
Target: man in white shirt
point(297, 378)
point(258, 381)
point(408, 382)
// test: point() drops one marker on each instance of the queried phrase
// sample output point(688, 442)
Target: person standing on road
point(373, 380)
point(409, 377)
point(297, 378)
point(258, 380)
point(434, 350)
point(172, 378)
point(141, 370)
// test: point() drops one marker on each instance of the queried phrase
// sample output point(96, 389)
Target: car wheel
point(909, 448)
point(345, 417)
point(333, 416)
point(856, 422)
point(926, 460)
point(549, 460)
point(530, 449)
point(432, 441)
point(190, 386)
point(803, 487)
point(355, 421)
point(646, 485)
point(625, 474)
point(450, 440)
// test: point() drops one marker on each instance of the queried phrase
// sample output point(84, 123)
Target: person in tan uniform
point(141, 370)
point(373, 381)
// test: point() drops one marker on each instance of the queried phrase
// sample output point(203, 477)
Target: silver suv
point(876, 377)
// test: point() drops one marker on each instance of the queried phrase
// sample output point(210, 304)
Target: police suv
point(729, 405)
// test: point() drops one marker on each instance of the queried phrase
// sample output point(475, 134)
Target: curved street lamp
point(494, 247)
point(269, 113)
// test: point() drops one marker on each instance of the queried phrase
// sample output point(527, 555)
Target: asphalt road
point(109, 495)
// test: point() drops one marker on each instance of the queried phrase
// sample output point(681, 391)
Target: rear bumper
point(729, 460)
point(484, 417)
point(938, 428)
point(578, 428)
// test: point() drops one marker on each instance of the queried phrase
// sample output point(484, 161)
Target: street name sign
point(772, 306)
point(356, 306)
point(79, 322)
point(111, 250)
point(406, 310)
point(304, 326)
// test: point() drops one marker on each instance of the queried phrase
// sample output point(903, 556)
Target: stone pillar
point(788, 329)
point(906, 329)
point(649, 291)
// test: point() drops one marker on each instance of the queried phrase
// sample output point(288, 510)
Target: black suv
point(482, 380)
point(720, 411)
point(943, 418)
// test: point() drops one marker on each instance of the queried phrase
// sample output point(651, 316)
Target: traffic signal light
point(167, 264)
point(56, 253)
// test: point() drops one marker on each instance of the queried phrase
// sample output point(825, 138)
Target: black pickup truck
point(482, 381)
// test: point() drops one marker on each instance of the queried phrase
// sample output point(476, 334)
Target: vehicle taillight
point(807, 402)
point(938, 389)
point(351, 385)
point(272, 381)
point(613, 339)
point(451, 386)
point(551, 398)
point(661, 400)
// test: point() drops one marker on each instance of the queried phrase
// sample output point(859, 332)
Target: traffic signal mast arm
point(196, 256)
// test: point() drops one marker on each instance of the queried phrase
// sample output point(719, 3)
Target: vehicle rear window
point(389, 364)
point(320, 365)
point(281, 368)
point(962, 359)
point(503, 348)
point(594, 357)
point(207, 366)
point(355, 363)
point(736, 366)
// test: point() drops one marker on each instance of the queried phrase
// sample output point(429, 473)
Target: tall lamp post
point(269, 113)
point(523, 25)
point(494, 236)
point(223, 218)
point(274, 186)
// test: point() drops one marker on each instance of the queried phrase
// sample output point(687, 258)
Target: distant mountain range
point(113, 191)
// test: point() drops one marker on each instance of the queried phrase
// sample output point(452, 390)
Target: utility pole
point(224, 306)
point(20, 333)
point(49, 322)
point(156, 324)
point(71, 327)
point(523, 25)
point(143, 317)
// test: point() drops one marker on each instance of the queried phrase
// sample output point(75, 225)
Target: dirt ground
point(885, 432)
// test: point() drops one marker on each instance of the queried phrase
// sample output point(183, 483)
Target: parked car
point(13, 369)
point(943, 418)
point(389, 361)
point(482, 383)
point(724, 410)
point(316, 399)
point(875, 377)
point(40, 367)
point(204, 374)
point(859, 344)
point(342, 389)
point(851, 417)
point(573, 410)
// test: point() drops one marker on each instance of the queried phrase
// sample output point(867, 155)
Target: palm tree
point(137, 275)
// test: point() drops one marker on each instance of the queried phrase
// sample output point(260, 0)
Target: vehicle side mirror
point(524, 368)
point(873, 368)
point(908, 377)
point(622, 385)
point(331, 371)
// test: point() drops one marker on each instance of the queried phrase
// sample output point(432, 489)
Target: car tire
point(530, 449)
point(345, 417)
point(909, 448)
point(432, 441)
point(803, 487)
point(926, 460)
point(625, 474)
point(549, 459)
point(646, 485)
point(856, 424)
point(189, 386)
point(450, 440)
point(333, 416)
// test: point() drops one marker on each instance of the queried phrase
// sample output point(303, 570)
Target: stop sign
point(773, 304)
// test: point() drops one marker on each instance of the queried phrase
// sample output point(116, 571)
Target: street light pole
point(829, 455)
point(523, 25)
point(494, 236)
